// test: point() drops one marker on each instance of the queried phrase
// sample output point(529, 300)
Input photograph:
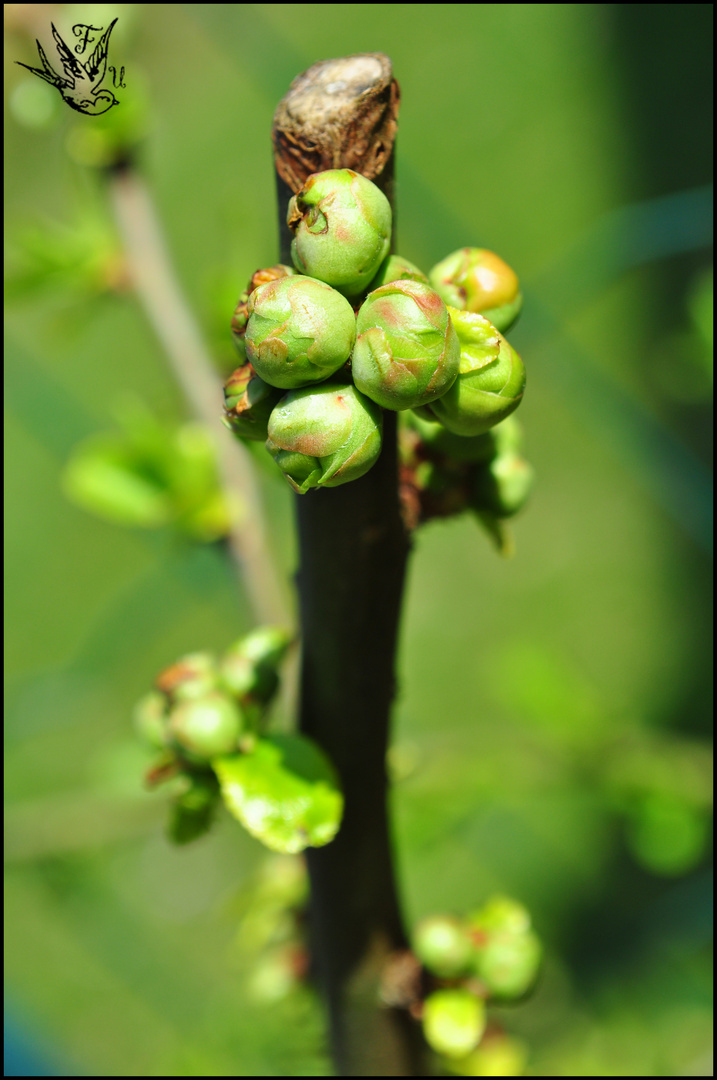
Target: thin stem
point(161, 296)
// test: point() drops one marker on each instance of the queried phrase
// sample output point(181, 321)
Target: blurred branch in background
point(85, 257)
point(169, 313)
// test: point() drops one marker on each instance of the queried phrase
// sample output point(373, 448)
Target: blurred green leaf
point(81, 255)
point(149, 476)
point(667, 835)
point(105, 478)
point(34, 104)
point(284, 793)
point(192, 812)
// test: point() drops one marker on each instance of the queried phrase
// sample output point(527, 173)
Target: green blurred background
point(552, 726)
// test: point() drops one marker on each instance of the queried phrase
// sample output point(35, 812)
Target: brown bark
point(353, 549)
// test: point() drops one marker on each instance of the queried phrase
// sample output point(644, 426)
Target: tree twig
point(353, 550)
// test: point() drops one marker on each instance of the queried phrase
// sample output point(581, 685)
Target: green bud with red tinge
point(507, 951)
point(500, 914)
point(206, 726)
point(238, 674)
point(192, 676)
point(477, 280)
point(241, 311)
point(248, 402)
point(249, 667)
point(508, 964)
point(342, 229)
point(300, 331)
point(407, 352)
point(324, 436)
point(490, 382)
point(396, 268)
point(443, 945)
point(453, 1021)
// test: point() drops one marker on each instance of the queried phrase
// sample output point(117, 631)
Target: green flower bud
point(150, 719)
point(300, 331)
point(502, 486)
point(396, 268)
point(507, 952)
point(442, 945)
point(266, 645)
point(490, 383)
point(275, 976)
point(206, 726)
point(497, 1055)
point(324, 436)
point(453, 1021)
point(500, 914)
point(473, 279)
point(438, 441)
point(193, 676)
point(248, 402)
point(239, 674)
point(248, 668)
point(241, 312)
point(342, 229)
point(508, 963)
point(407, 352)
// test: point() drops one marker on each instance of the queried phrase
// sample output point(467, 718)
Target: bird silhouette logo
point(80, 86)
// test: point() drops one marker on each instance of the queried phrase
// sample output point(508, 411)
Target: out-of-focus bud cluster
point(443, 473)
point(493, 954)
point(207, 718)
point(204, 705)
point(350, 330)
point(271, 937)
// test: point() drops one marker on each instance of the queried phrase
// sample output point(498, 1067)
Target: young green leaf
point(192, 812)
point(104, 477)
point(285, 793)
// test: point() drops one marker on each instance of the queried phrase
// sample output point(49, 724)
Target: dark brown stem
point(353, 549)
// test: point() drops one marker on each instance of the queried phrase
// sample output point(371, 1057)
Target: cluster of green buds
point(206, 716)
point(271, 935)
point(492, 955)
point(350, 330)
point(443, 473)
